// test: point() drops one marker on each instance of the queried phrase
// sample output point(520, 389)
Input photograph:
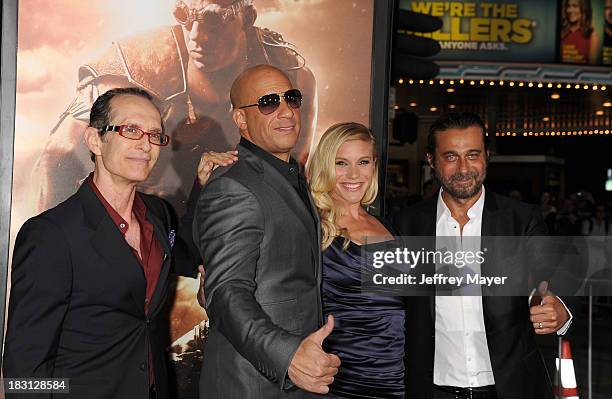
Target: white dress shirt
point(461, 353)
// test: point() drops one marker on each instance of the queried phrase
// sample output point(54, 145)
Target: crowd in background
point(579, 213)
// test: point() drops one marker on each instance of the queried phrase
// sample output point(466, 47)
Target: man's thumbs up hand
point(323, 332)
point(311, 368)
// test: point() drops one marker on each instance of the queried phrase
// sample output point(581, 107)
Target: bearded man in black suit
point(474, 345)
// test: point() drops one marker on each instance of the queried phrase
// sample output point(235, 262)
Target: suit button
point(143, 366)
point(148, 321)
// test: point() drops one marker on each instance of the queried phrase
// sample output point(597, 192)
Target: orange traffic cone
point(568, 388)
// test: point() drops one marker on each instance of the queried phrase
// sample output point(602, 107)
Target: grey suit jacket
point(260, 245)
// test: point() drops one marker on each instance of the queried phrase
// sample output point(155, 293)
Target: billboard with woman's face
point(581, 31)
point(607, 38)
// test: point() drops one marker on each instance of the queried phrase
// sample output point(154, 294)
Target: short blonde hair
point(321, 172)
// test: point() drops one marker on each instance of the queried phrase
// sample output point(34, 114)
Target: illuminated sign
point(522, 31)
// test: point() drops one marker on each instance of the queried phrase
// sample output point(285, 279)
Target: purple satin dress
point(368, 333)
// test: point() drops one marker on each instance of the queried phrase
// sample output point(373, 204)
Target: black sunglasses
point(270, 102)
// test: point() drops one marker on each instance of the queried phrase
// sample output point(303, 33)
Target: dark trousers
point(476, 394)
point(442, 395)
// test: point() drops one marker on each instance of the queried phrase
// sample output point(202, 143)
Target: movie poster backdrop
point(71, 51)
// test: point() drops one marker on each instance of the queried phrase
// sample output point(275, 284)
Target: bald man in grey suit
point(258, 233)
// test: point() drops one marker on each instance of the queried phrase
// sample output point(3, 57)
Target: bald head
point(243, 84)
point(276, 131)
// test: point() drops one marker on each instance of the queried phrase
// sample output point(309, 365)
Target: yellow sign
point(494, 26)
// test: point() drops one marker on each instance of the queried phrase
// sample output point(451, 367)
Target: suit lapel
point(288, 193)
point(489, 219)
point(428, 217)
point(490, 227)
point(110, 244)
point(317, 252)
point(421, 222)
point(162, 237)
point(428, 225)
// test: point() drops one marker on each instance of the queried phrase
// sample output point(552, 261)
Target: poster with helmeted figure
point(186, 53)
point(189, 68)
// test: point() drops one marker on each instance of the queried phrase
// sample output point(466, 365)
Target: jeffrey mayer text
point(438, 279)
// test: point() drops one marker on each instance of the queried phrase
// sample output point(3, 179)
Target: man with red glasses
point(258, 233)
point(189, 68)
point(89, 276)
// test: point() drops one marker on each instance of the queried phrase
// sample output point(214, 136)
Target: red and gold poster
point(186, 54)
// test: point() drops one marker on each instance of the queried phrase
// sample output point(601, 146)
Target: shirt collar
point(287, 169)
point(474, 212)
point(138, 207)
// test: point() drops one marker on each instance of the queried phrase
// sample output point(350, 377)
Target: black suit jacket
point(518, 367)
point(260, 245)
point(77, 299)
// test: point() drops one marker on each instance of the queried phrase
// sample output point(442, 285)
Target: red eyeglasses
point(135, 133)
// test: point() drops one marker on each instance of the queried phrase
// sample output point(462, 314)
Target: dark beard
point(462, 193)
